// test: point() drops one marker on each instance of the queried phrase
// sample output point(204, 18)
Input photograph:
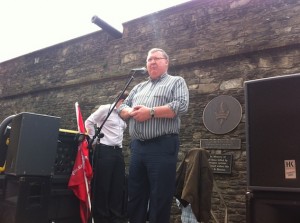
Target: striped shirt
point(167, 90)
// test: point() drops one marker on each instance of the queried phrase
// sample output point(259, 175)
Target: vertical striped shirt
point(167, 90)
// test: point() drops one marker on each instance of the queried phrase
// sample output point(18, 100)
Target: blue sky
point(29, 25)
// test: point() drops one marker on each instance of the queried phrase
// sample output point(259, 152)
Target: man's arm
point(125, 113)
point(163, 112)
point(90, 127)
point(95, 119)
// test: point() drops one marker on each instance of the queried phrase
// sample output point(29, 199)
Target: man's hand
point(140, 113)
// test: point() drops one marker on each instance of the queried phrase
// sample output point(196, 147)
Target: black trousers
point(108, 185)
point(151, 179)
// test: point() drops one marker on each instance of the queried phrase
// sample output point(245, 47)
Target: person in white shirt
point(108, 164)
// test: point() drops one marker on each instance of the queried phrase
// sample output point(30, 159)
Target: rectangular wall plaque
point(220, 143)
point(221, 163)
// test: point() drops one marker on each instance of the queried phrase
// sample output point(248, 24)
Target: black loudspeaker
point(2, 178)
point(38, 199)
point(64, 206)
point(32, 145)
point(26, 199)
point(67, 146)
point(273, 133)
point(274, 207)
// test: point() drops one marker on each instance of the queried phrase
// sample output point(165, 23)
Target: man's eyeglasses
point(149, 60)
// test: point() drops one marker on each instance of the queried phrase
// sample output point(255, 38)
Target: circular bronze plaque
point(222, 114)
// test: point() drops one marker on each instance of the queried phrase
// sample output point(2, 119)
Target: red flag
point(82, 173)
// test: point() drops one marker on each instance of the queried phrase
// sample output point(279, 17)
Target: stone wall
point(215, 45)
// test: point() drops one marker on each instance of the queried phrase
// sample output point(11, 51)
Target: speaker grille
point(32, 147)
point(66, 152)
point(273, 133)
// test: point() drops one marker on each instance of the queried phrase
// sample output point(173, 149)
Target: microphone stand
point(99, 135)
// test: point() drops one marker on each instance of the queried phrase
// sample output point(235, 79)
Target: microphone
point(142, 70)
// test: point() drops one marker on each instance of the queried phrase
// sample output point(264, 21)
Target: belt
point(111, 147)
point(158, 137)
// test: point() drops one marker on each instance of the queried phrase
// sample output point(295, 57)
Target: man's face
point(157, 64)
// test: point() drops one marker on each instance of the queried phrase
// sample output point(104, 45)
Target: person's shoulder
point(104, 107)
point(175, 77)
point(141, 84)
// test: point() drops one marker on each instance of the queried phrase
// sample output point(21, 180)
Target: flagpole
point(86, 185)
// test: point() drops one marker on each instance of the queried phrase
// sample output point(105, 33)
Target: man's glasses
point(149, 60)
